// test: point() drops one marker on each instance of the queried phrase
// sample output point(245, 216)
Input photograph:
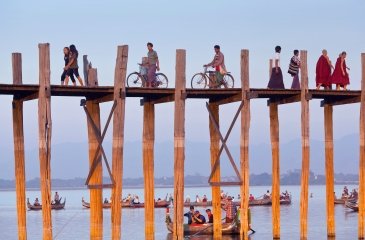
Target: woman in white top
point(276, 78)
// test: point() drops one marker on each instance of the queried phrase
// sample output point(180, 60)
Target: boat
point(353, 206)
point(54, 206)
point(285, 200)
point(345, 199)
point(204, 229)
point(159, 204)
point(198, 204)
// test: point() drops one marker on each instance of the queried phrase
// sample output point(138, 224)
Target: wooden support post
point(86, 67)
point(361, 223)
point(244, 142)
point(96, 195)
point(179, 144)
point(330, 205)
point(274, 135)
point(305, 146)
point(45, 134)
point(18, 133)
point(148, 168)
point(216, 177)
point(118, 139)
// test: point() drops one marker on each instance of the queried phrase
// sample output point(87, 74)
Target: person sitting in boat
point(128, 198)
point(187, 199)
point(205, 199)
point(56, 198)
point(251, 198)
point(239, 196)
point(36, 202)
point(354, 194)
point(106, 201)
point(210, 215)
point(345, 192)
point(171, 199)
point(230, 209)
point(197, 199)
point(190, 214)
point(135, 200)
point(198, 218)
point(267, 195)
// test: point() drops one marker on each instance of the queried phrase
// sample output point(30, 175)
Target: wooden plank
point(226, 100)
point(96, 194)
point(148, 168)
point(45, 135)
point(244, 142)
point(285, 100)
point(179, 144)
point(118, 139)
point(305, 145)
point(216, 177)
point(330, 201)
point(342, 101)
point(19, 157)
point(361, 223)
point(274, 136)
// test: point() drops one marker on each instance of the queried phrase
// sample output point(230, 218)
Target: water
point(73, 222)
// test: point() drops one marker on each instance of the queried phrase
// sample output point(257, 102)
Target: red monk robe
point(323, 72)
point(337, 76)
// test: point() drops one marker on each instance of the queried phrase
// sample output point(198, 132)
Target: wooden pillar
point(361, 223)
point(305, 146)
point(148, 167)
point(274, 136)
point(244, 142)
point(216, 190)
point(86, 66)
point(45, 134)
point(330, 205)
point(18, 133)
point(96, 194)
point(179, 144)
point(118, 139)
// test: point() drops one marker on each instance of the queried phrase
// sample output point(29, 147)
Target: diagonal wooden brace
point(224, 146)
point(100, 138)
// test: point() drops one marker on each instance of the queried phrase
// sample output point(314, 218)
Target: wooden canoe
point(204, 229)
point(260, 202)
point(159, 204)
point(285, 201)
point(198, 204)
point(343, 200)
point(54, 206)
point(353, 206)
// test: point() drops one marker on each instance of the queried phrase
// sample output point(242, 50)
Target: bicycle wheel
point(199, 81)
point(134, 80)
point(161, 80)
point(228, 81)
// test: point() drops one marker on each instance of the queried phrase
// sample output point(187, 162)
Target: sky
point(98, 27)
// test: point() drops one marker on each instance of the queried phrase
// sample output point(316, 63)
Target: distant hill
point(70, 160)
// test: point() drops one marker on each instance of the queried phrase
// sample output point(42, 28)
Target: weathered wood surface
point(96, 194)
point(216, 177)
point(274, 136)
point(305, 146)
point(148, 168)
point(361, 217)
point(19, 157)
point(244, 142)
point(179, 144)
point(330, 201)
point(45, 135)
point(118, 139)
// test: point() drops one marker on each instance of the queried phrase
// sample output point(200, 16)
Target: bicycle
point(139, 79)
point(199, 80)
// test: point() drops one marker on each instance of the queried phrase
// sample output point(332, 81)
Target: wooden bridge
point(95, 95)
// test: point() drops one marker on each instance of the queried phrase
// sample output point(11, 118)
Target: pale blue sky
point(97, 27)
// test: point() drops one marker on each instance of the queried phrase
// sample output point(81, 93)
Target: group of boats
point(348, 199)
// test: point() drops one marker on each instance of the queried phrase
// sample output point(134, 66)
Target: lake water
point(73, 222)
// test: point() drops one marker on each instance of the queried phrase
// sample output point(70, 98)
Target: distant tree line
point(263, 179)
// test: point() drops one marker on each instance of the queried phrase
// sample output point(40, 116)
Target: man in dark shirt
point(210, 215)
point(198, 218)
point(190, 215)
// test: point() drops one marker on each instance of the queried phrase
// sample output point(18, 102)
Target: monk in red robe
point(340, 77)
point(323, 71)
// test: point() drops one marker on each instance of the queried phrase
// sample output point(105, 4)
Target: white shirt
point(275, 57)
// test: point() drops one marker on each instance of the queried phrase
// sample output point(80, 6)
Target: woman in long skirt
point(294, 70)
point(276, 78)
